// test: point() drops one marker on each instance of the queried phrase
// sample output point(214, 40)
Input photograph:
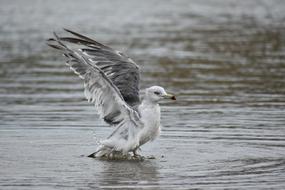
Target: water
point(223, 59)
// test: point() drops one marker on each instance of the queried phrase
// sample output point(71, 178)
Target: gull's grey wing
point(99, 89)
point(119, 68)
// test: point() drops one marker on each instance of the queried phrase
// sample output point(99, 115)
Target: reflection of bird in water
point(128, 174)
point(111, 82)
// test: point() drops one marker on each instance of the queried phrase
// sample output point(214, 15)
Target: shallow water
point(223, 59)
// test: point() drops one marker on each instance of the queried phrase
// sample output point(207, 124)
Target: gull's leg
point(136, 155)
point(110, 155)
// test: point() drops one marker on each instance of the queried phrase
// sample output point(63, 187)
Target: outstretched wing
point(99, 89)
point(119, 68)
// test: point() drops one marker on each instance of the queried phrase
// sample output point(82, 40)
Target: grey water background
point(223, 59)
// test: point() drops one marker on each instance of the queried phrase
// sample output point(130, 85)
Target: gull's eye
point(157, 93)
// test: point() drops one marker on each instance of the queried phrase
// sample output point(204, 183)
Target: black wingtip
point(72, 32)
point(54, 46)
point(90, 40)
point(67, 30)
point(55, 35)
point(50, 40)
point(92, 155)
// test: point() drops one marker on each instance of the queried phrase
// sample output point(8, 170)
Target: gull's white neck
point(150, 112)
point(149, 103)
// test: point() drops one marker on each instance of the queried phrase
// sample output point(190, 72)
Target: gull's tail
point(101, 152)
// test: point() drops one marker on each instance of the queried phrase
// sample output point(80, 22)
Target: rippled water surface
point(225, 61)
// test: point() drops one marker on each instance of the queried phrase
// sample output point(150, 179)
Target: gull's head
point(156, 93)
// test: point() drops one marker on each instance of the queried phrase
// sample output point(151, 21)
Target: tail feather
point(101, 152)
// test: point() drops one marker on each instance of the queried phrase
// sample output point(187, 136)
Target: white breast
point(150, 116)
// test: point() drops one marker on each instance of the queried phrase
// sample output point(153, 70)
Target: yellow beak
point(170, 96)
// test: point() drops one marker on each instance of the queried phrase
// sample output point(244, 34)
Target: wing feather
point(119, 68)
point(98, 88)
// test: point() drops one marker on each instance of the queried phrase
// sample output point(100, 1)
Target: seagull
point(111, 83)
